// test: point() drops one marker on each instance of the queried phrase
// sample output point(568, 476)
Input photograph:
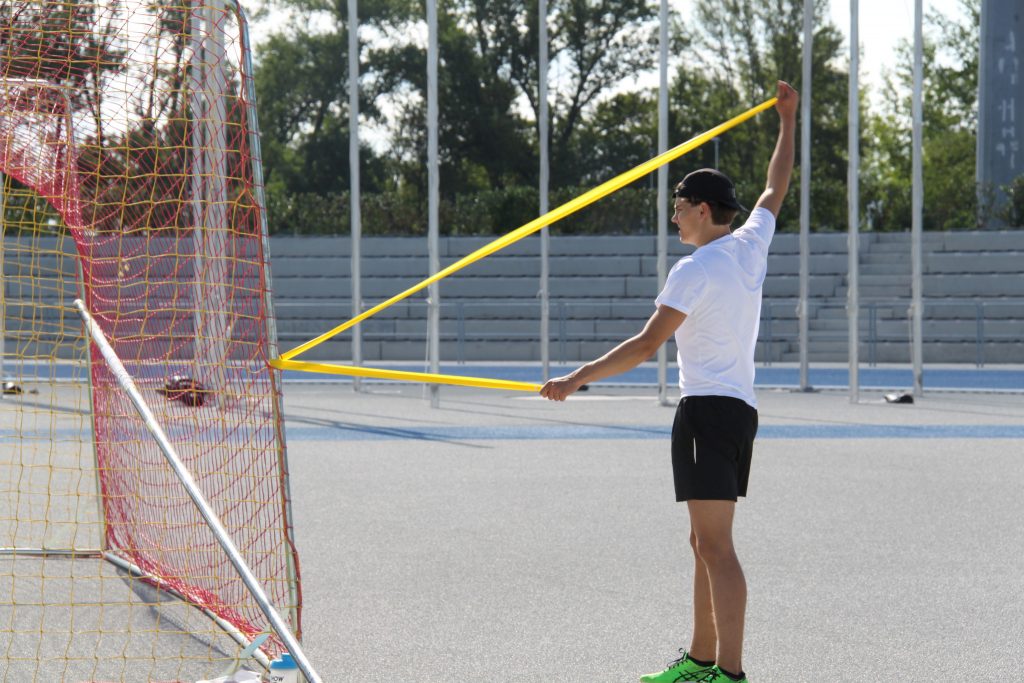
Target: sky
point(881, 24)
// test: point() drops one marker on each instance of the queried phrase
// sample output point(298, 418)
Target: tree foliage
point(602, 120)
point(949, 131)
point(741, 48)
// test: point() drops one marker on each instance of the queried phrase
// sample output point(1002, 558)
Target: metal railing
point(884, 322)
point(898, 312)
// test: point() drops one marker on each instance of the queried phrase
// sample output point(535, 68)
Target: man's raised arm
point(780, 168)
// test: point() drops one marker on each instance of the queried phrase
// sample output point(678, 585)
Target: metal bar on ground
point(52, 552)
point(188, 482)
point(226, 626)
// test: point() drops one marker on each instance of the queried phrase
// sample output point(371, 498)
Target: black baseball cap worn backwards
point(709, 185)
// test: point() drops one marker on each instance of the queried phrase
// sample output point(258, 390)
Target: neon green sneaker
point(682, 669)
point(718, 676)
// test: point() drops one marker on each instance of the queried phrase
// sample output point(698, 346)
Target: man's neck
point(711, 234)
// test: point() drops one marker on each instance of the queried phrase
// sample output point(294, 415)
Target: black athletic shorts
point(712, 443)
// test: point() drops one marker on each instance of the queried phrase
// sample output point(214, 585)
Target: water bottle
point(284, 670)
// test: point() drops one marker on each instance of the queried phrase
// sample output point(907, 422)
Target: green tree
point(949, 133)
point(488, 54)
point(302, 93)
point(487, 91)
point(74, 48)
point(741, 48)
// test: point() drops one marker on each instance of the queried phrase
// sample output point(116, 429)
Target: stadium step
point(602, 289)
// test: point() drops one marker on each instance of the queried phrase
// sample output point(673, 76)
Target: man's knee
point(713, 551)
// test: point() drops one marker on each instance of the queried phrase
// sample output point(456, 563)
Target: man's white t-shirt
point(718, 287)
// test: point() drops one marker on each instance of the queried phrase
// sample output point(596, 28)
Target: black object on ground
point(185, 389)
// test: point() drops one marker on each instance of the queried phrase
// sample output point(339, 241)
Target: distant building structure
point(1000, 153)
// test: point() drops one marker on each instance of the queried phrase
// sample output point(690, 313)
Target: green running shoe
point(718, 676)
point(682, 669)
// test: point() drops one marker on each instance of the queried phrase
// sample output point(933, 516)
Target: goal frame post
point(247, 93)
point(181, 472)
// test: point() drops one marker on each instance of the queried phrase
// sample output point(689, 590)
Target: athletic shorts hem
point(736, 499)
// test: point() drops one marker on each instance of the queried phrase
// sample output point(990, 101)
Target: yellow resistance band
point(572, 206)
point(357, 371)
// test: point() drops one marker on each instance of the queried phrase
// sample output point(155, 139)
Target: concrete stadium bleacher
point(602, 289)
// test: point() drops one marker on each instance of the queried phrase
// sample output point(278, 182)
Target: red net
point(132, 119)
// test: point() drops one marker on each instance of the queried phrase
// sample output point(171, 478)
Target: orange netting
point(131, 119)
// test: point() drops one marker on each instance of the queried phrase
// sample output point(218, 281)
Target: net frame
point(64, 195)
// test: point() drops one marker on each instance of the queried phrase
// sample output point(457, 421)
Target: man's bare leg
point(711, 524)
point(704, 645)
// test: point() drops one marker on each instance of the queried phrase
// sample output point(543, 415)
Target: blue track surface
point(959, 378)
point(561, 432)
point(363, 432)
point(975, 379)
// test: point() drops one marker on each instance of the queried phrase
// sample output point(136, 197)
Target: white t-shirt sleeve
point(760, 226)
point(684, 286)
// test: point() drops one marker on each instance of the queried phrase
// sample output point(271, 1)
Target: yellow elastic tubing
point(567, 209)
point(402, 376)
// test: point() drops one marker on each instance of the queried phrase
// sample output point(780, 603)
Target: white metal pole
point(434, 184)
point(545, 236)
point(661, 231)
point(3, 289)
point(199, 163)
point(853, 194)
point(249, 84)
point(981, 133)
point(354, 189)
point(917, 202)
point(209, 194)
point(803, 310)
point(124, 379)
point(215, 232)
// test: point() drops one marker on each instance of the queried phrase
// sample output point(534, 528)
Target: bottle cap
point(285, 661)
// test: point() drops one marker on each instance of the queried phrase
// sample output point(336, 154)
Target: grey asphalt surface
point(427, 556)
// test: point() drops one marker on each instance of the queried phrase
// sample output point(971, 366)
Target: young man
point(712, 304)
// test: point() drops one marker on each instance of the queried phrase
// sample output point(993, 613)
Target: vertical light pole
point(853, 218)
point(917, 201)
point(208, 92)
point(433, 192)
point(545, 236)
point(3, 290)
point(662, 227)
point(802, 310)
point(354, 189)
